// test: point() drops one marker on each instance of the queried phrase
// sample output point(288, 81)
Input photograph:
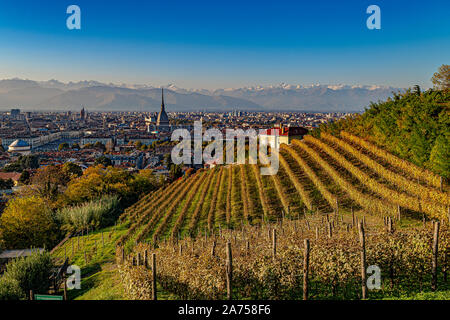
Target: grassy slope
point(100, 279)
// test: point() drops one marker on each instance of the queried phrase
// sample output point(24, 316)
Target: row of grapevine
point(297, 184)
point(244, 191)
point(222, 197)
point(149, 206)
point(236, 197)
point(185, 198)
point(331, 198)
point(370, 203)
point(414, 188)
point(409, 168)
point(229, 191)
point(214, 199)
point(275, 204)
point(202, 184)
point(143, 203)
point(170, 203)
point(200, 203)
point(435, 210)
point(262, 196)
point(161, 202)
point(280, 191)
point(254, 205)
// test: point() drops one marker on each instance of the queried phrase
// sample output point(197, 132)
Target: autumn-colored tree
point(6, 184)
point(25, 177)
point(86, 187)
point(105, 161)
point(440, 155)
point(63, 146)
point(75, 146)
point(49, 181)
point(23, 163)
point(99, 145)
point(441, 79)
point(175, 172)
point(28, 222)
point(72, 170)
point(98, 181)
point(144, 182)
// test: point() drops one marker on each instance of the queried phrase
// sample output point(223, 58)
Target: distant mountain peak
point(54, 94)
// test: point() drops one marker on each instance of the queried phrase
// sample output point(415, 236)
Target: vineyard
point(269, 262)
point(324, 175)
point(323, 188)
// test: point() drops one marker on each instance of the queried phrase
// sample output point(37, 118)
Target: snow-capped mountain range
point(94, 95)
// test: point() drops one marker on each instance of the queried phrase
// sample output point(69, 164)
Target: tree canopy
point(27, 222)
point(414, 125)
point(441, 79)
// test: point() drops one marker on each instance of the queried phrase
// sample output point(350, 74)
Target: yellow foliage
point(27, 222)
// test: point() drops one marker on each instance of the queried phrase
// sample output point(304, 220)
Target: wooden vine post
point(65, 290)
point(146, 265)
point(154, 293)
point(213, 249)
point(434, 266)
point(362, 241)
point(306, 270)
point(353, 217)
point(229, 270)
point(274, 243)
point(138, 259)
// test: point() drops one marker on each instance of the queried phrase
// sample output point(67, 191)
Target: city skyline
point(213, 45)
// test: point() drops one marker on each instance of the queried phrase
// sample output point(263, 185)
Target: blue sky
point(215, 44)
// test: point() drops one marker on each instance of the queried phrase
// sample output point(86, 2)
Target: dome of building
point(19, 146)
point(19, 143)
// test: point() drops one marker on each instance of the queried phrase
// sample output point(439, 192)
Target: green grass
point(99, 276)
point(438, 295)
point(102, 285)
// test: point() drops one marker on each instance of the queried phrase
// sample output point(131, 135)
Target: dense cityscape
point(130, 140)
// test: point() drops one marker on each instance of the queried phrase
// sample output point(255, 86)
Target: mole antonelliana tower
point(162, 120)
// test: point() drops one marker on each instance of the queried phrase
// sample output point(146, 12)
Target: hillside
point(328, 184)
point(414, 126)
point(316, 175)
point(327, 191)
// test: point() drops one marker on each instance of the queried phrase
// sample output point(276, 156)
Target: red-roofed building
point(282, 135)
point(14, 176)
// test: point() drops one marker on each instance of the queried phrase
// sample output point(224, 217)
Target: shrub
point(25, 274)
point(10, 289)
point(96, 213)
point(28, 222)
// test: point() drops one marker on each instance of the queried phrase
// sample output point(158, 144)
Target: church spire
point(163, 119)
